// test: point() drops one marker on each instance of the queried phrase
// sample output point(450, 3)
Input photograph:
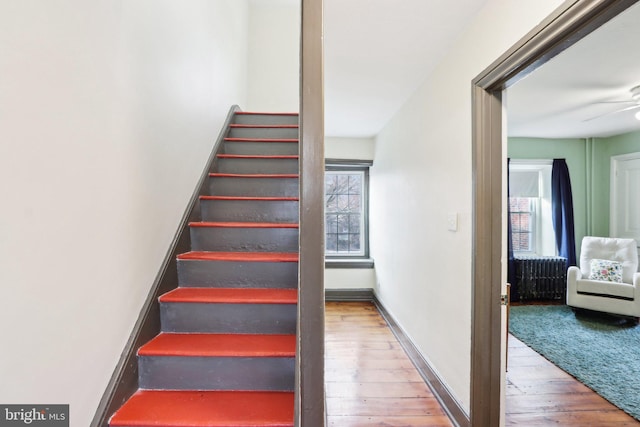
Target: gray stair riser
point(279, 211)
point(236, 274)
point(257, 165)
point(265, 119)
point(260, 187)
point(228, 318)
point(231, 239)
point(216, 373)
point(264, 148)
point(277, 133)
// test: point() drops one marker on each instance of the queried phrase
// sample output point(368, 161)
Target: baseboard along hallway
point(370, 381)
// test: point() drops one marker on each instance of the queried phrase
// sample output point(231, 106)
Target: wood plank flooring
point(541, 394)
point(370, 381)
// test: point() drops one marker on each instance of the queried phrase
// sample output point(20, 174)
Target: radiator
point(540, 278)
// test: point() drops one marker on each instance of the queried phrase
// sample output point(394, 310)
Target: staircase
point(226, 352)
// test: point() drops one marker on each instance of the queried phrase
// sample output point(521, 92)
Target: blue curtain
point(562, 211)
point(511, 264)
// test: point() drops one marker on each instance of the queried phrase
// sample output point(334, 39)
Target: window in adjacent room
point(346, 210)
point(530, 207)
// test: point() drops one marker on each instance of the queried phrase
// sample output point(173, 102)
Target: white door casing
point(625, 197)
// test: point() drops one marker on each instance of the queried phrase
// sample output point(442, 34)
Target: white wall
point(349, 149)
point(349, 278)
point(423, 164)
point(108, 111)
point(274, 52)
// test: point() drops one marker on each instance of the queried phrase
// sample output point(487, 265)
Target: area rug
point(601, 351)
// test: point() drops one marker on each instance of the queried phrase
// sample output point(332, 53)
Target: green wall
point(574, 151)
point(589, 162)
point(604, 149)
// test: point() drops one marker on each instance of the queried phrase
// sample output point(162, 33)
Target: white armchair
point(600, 295)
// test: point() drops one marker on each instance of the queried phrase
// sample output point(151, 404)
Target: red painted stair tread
point(148, 408)
point(253, 175)
point(220, 345)
point(240, 408)
point(214, 224)
point(256, 156)
point(252, 198)
point(232, 295)
point(240, 256)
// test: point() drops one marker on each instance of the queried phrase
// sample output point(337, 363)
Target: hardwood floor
point(541, 394)
point(370, 381)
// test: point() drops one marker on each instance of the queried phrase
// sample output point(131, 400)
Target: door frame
point(310, 407)
point(573, 20)
point(613, 199)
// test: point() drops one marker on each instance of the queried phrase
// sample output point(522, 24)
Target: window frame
point(542, 229)
point(344, 260)
point(534, 225)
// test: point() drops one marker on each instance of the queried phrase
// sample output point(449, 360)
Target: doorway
point(625, 187)
point(567, 25)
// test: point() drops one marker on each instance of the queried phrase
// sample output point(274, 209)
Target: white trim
point(543, 237)
point(613, 201)
point(362, 251)
point(532, 162)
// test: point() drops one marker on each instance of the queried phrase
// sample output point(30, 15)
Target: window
point(346, 209)
point(522, 211)
point(344, 219)
point(530, 207)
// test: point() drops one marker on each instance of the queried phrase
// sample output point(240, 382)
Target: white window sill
point(348, 263)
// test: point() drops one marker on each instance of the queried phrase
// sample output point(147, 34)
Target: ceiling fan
point(634, 101)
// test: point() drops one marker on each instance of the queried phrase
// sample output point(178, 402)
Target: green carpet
point(601, 351)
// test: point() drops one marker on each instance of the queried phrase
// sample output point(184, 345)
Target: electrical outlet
point(452, 222)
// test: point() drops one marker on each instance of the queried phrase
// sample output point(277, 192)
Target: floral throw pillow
point(608, 271)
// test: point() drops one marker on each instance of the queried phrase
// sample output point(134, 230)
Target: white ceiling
point(378, 52)
point(555, 100)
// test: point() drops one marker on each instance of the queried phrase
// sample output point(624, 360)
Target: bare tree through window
point(522, 210)
point(343, 212)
